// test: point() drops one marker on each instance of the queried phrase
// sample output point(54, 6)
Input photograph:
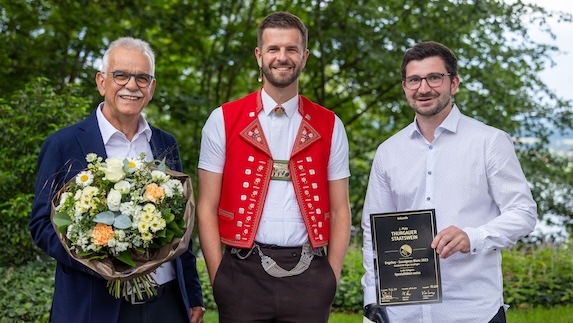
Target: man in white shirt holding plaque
point(469, 173)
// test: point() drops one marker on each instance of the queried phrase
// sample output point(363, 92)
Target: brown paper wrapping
point(145, 263)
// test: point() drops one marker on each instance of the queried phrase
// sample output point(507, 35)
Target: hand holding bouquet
point(124, 218)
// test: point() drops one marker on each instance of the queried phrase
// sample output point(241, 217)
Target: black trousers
point(166, 307)
point(244, 292)
point(499, 317)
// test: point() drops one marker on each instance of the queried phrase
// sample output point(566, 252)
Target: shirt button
point(429, 172)
point(427, 198)
point(431, 147)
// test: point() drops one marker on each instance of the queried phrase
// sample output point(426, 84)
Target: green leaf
point(97, 257)
point(175, 229)
point(62, 220)
point(169, 235)
point(161, 233)
point(168, 216)
point(125, 258)
point(161, 165)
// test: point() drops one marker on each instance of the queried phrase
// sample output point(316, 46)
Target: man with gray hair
point(115, 129)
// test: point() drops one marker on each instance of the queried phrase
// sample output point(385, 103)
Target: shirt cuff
point(477, 238)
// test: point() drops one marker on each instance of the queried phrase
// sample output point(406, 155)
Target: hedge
point(534, 275)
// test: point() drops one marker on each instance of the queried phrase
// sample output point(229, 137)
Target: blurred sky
point(558, 77)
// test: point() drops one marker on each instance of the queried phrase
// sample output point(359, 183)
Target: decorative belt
point(273, 269)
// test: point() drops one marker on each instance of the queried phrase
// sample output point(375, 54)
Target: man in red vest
point(273, 188)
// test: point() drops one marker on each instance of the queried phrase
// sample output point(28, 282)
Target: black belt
point(160, 291)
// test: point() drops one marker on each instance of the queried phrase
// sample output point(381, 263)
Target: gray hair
point(132, 44)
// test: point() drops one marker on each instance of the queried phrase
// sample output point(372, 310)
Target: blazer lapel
point(90, 139)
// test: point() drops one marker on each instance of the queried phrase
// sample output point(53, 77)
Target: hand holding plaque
point(407, 267)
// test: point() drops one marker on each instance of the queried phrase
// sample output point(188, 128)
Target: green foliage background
point(27, 117)
point(205, 57)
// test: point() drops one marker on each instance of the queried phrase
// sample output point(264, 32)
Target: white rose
point(167, 190)
point(158, 176)
point(122, 186)
point(172, 186)
point(114, 170)
point(113, 200)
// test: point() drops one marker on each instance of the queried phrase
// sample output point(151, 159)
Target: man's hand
point(376, 313)
point(197, 313)
point(451, 240)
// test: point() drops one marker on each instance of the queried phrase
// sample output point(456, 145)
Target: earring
point(260, 78)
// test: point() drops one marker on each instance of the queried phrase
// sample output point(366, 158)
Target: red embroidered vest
point(249, 165)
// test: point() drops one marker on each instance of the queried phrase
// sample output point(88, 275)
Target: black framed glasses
point(122, 78)
point(433, 79)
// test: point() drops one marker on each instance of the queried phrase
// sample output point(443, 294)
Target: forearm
point(340, 223)
point(339, 240)
point(207, 219)
point(211, 246)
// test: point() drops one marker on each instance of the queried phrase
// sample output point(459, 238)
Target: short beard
point(277, 82)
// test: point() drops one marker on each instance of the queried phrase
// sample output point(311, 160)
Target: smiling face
point(281, 57)
point(124, 103)
point(427, 101)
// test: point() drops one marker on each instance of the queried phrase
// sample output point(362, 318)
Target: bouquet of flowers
point(124, 218)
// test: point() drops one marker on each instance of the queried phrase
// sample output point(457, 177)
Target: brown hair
point(283, 20)
point(430, 49)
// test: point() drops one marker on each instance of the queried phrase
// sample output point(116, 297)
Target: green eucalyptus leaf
point(122, 221)
point(107, 217)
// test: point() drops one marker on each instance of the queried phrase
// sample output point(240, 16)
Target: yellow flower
point(101, 234)
point(153, 192)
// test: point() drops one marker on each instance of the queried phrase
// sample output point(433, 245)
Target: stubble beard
point(441, 104)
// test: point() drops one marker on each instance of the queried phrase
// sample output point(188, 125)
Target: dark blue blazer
point(80, 294)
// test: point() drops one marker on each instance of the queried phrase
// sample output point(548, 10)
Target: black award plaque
point(407, 267)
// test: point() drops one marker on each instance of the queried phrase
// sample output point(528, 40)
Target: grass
point(541, 315)
point(536, 315)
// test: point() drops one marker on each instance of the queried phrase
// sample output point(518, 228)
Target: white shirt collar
point(449, 124)
point(290, 106)
point(108, 130)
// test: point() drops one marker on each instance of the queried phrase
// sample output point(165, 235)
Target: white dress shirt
point(281, 222)
point(117, 145)
point(471, 176)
